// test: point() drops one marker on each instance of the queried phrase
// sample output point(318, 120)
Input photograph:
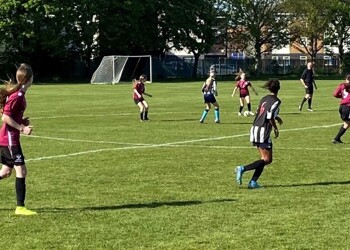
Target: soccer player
point(264, 122)
point(209, 90)
point(343, 92)
point(13, 104)
point(242, 84)
point(139, 91)
point(307, 79)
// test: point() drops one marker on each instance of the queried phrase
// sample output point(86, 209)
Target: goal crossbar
point(113, 68)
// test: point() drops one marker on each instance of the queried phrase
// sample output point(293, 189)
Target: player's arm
point(337, 92)
point(203, 87)
point(313, 81)
point(303, 82)
point(234, 91)
point(272, 115)
point(137, 93)
point(215, 88)
point(26, 121)
point(274, 126)
point(11, 122)
point(279, 120)
point(302, 79)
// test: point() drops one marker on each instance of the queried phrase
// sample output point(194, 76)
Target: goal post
point(116, 68)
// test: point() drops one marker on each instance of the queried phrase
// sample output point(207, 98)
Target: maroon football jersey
point(140, 87)
point(243, 87)
point(14, 107)
point(340, 92)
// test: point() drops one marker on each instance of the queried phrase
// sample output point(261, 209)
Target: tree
point(193, 25)
point(339, 28)
point(309, 24)
point(260, 25)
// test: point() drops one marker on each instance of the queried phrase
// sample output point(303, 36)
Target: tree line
point(54, 35)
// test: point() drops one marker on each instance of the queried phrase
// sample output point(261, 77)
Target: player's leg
point(5, 172)
point(306, 97)
point(252, 166)
point(266, 158)
point(206, 110)
point(7, 162)
point(145, 113)
point(142, 109)
point(21, 174)
point(247, 100)
point(241, 105)
point(309, 101)
point(217, 112)
point(344, 111)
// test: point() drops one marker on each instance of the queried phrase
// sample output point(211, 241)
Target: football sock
point(240, 109)
point(20, 191)
point(141, 115)
point(205, 112)
point(145, 117)
point(254, 165)
point(303, 101)
point(258, 171)
point(341, 132)
point(309, 101)
point(249, 107)
point(217, 114)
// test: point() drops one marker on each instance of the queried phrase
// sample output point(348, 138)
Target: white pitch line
point(167, 144)
point(252, 147)
point(89, 141)
point(96, 115)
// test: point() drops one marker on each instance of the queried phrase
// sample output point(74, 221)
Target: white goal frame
point(111, 68)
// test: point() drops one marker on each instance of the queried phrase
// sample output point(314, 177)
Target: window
point(286, 60)
point(303, 60)
point(327, 61)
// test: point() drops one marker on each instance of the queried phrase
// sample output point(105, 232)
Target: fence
point(175, 67)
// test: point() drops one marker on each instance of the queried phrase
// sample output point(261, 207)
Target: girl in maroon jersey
point(139, 91)
point(343, 92)
point(242, 84)
point(13, 104)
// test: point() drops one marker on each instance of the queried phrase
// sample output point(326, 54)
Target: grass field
point(100, 179)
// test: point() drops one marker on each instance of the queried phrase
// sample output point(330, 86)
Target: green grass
point(100, 179)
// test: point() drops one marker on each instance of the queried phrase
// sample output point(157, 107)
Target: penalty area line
point(166, 144)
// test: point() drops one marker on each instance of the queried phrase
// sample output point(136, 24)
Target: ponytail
point(10, 87)
point(24, 74)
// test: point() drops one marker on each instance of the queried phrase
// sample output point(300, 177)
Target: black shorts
point(12, 156)
point(209, 98)
point(267, 144)
point(344, 111)
point(309, 90)
point(138, 100)
point(243, 95)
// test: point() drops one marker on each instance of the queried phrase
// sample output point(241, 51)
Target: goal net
point(114, 69)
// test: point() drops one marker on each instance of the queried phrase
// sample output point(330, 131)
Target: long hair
point(273, 85)
point(23, 75)
point(134, 83)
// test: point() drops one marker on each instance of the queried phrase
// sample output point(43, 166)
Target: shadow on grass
point(135, 206)
point(326, 183)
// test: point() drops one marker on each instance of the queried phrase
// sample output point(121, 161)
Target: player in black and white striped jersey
point(209, 90)
point(264, 123)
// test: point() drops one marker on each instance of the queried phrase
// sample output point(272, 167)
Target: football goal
point(114, 69)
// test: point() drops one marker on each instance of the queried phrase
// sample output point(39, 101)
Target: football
point(246, 113)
